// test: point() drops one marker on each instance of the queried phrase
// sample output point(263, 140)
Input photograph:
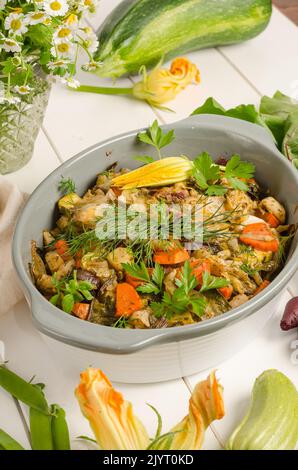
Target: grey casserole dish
point(215, 134)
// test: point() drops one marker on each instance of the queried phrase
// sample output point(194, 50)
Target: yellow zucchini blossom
point(159, 173)
point(162, 85)
point(205, 406)
point(110, 416)
point(117, 428)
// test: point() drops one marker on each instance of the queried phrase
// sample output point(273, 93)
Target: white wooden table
point(232, 75)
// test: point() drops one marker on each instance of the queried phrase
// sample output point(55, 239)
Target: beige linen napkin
point(11, 201)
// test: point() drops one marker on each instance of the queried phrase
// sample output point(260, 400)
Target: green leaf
point(198, 305)
point(211, 282)
point(139, 271)
point(8, 443)
point(206, 173)
point(68, 303)
point(188, 280)
point(158, 275)
point(239, 169)
point(67, 186)
point(144, 158)
point(86, 294)
point(216, 190)
point(148, 288)
point(156, 137)
point(54, 299)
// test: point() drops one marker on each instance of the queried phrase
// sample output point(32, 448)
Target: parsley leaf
point(211, 282)
point(144, 158)
point(236, 169)
point(70, 291)
point(206, 174)
point(67, 186)
point(151, 285)
point(156, 137)
point(139, 271)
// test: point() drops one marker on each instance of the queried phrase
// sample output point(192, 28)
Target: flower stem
point(105, 90)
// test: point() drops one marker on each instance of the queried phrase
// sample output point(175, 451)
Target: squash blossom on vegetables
point(117, 428)
point(158, 86)
point(166, 171)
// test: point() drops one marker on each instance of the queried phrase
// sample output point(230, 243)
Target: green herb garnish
point(70, 291)
point(211, 282)
point(207, 174)
point(183, 298)
point(67, 186)
point(156, 137)
point(152, 284)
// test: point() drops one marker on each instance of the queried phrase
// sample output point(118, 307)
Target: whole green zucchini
point(143, 32)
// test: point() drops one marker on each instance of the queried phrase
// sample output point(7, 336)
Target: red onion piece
point(290, 316)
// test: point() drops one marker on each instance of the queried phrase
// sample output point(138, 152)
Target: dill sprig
point(67, 185)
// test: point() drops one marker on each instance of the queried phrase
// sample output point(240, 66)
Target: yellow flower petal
point(205, 405)
point(161, 85)
point(165, 171)
point(110, 416)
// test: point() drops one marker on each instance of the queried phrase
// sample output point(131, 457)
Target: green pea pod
point(271, 422)
point(60, 431)
point(22, 390)
point(40, 430)
point(8, 443)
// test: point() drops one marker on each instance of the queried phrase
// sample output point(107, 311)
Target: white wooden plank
point(60, 372)
point(269, 61)
point(104, 8)
point(76, 120)
point(10, 420)
point(43, 162)
point(272, 349)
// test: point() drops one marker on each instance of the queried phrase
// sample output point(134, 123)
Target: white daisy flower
point(72, 83)
point(63, 50)
point(23, 89)
point(91, 66)
point(62, 34)
point(89, 38)
point(72, 21)
point(16, 23)
point(36, 17)
point(55, 64)
point(56, 7)
point(87, 5)
point(2, 4)
point(11, 45)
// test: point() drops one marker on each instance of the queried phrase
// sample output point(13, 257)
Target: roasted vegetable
point(127, 43)
point(271, 422)
point(127, 300)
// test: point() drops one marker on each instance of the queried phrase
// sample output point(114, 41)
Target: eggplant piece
point(84, 275)
point(102, 313)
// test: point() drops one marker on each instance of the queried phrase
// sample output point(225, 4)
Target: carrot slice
point(127, 300)
point(262, 286)
point(199, 267)
point(271, 220)
point(260, 237)
point(62, 248)
point(175, 256)
point(81, 310)
point(226, 292)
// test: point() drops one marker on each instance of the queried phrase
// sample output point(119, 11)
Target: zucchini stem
point(105, 90)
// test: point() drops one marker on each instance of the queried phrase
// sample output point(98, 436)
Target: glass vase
point(19, 127)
